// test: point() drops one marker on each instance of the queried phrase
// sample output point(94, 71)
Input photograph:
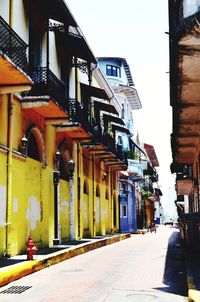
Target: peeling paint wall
point(2, 206)
point(31, 202)
point(85, 214)
point(64, 209)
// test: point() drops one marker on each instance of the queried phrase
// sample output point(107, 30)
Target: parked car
point(169, 221)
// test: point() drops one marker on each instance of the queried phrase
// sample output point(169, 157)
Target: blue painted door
point(123, 214)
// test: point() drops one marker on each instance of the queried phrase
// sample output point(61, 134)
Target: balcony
point(47, 96)
point(13, 60)
point(79, 124)
point(80, 114)
point(135, 168)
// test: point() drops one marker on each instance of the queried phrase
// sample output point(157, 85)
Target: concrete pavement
point(143, 268)
point(17, 267)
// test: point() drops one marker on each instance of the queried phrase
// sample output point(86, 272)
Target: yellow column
point(110, 202)
point(9, 175)
point(102, 199)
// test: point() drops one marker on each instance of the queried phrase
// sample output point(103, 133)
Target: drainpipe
point(111, 199)
point(197, 173)
point(78, 185)
point(9, 173)
point(93, 199)
point(71, 208)
point(56, 180)
point(10, 12)
point(76, 79)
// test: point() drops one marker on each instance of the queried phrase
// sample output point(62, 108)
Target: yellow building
point(52, 96)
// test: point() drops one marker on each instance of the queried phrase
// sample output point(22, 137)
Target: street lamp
point(104, 176)
point(56, 180)
point(57, 159)
point(24, 143)
point(70, 168)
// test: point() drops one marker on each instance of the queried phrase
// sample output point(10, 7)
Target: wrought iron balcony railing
point(46, 83)
point(78, 113)
point(122, 154)
point(13, 46)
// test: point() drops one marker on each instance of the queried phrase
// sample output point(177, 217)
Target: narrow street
point(143, 268)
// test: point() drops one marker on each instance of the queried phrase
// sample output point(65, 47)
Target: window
point(97, 191)
point(122, 112)
point(123, 188)
point(32, 149)
point(119, 140)
point(124, 214)
point(113, 71)
point(85, 187)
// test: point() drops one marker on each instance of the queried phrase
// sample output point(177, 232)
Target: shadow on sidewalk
point(9, 261)
point(175, 272)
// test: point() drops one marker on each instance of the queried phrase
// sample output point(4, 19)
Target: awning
point(94, 91)
point(138, 147)
point(120, 128)
point(158, 191)
point(103, 106)
point(114, 119)
point(58, 10)
point(78, 47)
point(131, 95)
point(125, 173)
point(152, 155)
point(184, 186)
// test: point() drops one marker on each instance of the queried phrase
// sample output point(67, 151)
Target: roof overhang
point(58, 10)
point(77, 46)
point(184, 186)
point(185, 89)
point(152, 198)
point(113, 118)
point(119, 128)
point(94, 91)
point(104, 106)
point(152, 155)
point(131, 95)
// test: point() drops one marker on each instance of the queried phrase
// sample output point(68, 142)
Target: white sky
point(135, 30)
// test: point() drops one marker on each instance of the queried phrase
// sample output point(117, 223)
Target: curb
point(17, 271)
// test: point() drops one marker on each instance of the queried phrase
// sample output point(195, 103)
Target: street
point(142, 268)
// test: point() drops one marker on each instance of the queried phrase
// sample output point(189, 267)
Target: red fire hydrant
point(31, 248)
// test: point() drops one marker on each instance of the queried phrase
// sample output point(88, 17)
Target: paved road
point(143, 268)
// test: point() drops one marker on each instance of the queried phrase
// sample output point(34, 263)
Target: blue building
point(119, 76)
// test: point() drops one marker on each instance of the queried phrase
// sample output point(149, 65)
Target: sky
point(136, 30)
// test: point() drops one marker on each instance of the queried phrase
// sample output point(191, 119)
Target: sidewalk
point(18, 266)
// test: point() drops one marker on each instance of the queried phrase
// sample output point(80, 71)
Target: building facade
point(119, 76)
point(184, 20)
point(59, 158)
